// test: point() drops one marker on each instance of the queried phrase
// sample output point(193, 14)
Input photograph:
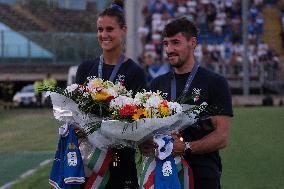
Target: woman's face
point(110, 33)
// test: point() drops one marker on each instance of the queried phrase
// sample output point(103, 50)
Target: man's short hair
point(182, 25)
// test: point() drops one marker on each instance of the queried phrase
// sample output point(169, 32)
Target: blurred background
point(43, 41)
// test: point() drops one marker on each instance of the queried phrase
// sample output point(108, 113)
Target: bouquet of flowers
point(111, 117)
point(145, 115)
point(144, 105)
point(117, 117)
point(94, 96)
point(86, 104)
point(149, 114)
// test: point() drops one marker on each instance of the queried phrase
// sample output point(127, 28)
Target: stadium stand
point(16, 45)
point(10, 17)
point(220, 41)
point(64, 20)
point(69, 35)
point(282, 23)
point(39, 38)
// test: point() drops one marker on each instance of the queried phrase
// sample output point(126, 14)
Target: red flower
point(127, 110)
point(110, 98)
point(164, 103)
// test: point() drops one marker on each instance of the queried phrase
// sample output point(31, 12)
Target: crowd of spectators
point(282, 22)
point(220, 36)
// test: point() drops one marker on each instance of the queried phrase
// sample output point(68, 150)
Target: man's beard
point(178, 64)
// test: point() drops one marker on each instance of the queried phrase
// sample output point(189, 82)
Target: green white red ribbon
point(99, 164)
point(147, 177)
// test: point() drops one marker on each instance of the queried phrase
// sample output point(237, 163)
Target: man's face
point(179, 49)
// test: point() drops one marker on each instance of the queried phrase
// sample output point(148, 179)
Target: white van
point(71, 75)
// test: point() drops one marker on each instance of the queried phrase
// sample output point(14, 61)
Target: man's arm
point(214, 141)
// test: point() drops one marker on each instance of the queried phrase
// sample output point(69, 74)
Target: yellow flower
point(108, 84)
point(97, 84)
point(100, 96)
point(145, 113)
point(140, 113)
point(164, 110)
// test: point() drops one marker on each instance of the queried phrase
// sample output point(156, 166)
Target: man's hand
point(147, 147)
point(179, 146)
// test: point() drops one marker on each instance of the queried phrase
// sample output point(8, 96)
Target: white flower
point(86, 94)
point(153, 102)
point(121, 90)
point(95, 85)
point(72, 88)
point(175, 107)
point(138, 98)
point(127, 93)
point(153, 112)
point(109, 84)
point(111, 91)
point(128, 100)
point(120, 101)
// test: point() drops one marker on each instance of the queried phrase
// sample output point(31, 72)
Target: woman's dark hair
point(180, 25)
point(115, 10)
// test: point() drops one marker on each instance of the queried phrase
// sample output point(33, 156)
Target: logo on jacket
point(72, 146)
point(72, 158)
point(120, 79)
point(167, 169)
point(196, 94)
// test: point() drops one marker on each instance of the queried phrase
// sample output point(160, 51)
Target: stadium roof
point(15, 45)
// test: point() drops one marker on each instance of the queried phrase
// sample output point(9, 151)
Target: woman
point(113, 65)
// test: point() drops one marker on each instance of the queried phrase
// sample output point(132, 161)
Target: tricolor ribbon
point(99, 164)
point(147, 178)
point(165, 171)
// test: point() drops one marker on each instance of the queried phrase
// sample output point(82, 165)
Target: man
point(201, 142)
